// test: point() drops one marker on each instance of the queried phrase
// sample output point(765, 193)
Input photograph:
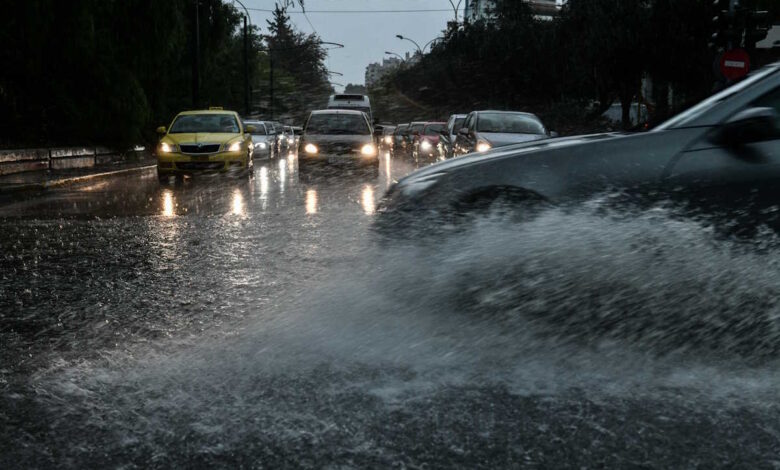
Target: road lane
point(254, 323)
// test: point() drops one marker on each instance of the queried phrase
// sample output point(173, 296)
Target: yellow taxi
point(213, 140)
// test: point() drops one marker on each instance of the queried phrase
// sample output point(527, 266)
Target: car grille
point(336, 149)
point(200, 165)
point(199, 148)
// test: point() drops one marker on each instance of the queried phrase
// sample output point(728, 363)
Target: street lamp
point(247, 109)
point(410, 40)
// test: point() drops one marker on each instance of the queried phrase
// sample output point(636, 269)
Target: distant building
point(375, 71)
point(480, 9)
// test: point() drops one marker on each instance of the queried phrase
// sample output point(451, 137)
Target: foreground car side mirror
point(748, 126)
point(161, 130)
point(553, 134)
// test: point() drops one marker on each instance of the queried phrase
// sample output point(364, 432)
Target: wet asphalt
point(256, 323)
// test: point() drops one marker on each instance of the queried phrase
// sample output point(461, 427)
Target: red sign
point(734, 64)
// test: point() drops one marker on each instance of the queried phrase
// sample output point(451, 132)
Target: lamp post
point(247, 109)
point(419, 49)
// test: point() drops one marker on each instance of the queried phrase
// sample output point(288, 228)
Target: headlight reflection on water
point(238, 203)
point(168, 203)
point(311, 201)
point(367, 200)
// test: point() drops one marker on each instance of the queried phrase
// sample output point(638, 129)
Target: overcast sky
point(366, 36)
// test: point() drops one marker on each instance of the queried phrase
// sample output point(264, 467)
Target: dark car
point(426, 144)
point(337, 137)
point(720, 157)
point(398, 138)
point(483, 130)
point(411, 134)
point(449, 133)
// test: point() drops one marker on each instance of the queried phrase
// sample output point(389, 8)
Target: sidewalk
point(38, 181)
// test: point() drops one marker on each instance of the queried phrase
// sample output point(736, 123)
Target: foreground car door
point(736, 175)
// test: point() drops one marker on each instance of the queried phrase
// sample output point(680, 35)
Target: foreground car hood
point(507, 151)
point(500, 139)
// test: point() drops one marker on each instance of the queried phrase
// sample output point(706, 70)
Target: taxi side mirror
point(463, 131)
point(250, 129)
point(161, 130)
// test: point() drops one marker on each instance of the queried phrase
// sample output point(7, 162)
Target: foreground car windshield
point(509, 124)
point(335, 124)
point(215, 123)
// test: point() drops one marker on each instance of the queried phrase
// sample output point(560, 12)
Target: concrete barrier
point(56, 158)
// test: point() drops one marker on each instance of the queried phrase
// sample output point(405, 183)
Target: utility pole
point(246, 69)
point(196, 61)
point(271, 80)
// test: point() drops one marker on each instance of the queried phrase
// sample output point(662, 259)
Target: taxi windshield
point(213, 123)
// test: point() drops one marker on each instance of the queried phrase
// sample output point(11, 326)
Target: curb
point(25, 187)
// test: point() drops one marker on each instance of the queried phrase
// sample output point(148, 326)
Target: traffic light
point(757, 26)
point(724, 24)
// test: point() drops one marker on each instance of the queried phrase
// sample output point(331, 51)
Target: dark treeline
point(569, 69)
point(110, 71)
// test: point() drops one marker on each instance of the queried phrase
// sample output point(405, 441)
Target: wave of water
point(611, 307)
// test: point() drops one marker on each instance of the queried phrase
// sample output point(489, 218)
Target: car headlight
point(291, 140)
point(368, 150)
point(425, 145)
point(165, 147)
point(261, 145)
point(311, 149)
point(416, 186)
point(388, 139)
point(234, 147)
point(483, 146)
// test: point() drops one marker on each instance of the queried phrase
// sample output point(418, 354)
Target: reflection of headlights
point(165, 147)
point(419, 185)
point(483, 146)
point(234, 147)
point(368, 150)
point(311, 149)
point(388, 139)
point(261, 145)
point(425, 145)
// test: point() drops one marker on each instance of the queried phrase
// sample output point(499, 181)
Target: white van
point(354, 102)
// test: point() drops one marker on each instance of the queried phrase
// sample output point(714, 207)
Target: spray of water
point(617, 308)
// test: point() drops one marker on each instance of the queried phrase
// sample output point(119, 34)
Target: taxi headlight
point(368, 150)
point(311, 149)
point(483, 146)
point(234, 147)
point(165, 147)
point(425, 145)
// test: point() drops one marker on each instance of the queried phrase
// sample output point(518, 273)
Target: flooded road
point(257, 323)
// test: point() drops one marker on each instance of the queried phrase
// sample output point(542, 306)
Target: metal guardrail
point(55, 158)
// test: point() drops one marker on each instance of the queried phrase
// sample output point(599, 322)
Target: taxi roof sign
point(215, 108)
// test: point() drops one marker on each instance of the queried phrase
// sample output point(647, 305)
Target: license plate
point(336, 159)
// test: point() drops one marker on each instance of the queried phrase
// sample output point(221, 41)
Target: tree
point(355, 89)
